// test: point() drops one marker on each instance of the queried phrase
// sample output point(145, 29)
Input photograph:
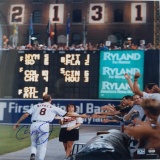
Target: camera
point(134, 115)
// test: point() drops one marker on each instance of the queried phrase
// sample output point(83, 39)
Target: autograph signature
point(40, 135)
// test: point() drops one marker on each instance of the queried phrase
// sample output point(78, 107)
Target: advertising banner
point(12, 109)
point(113, 65)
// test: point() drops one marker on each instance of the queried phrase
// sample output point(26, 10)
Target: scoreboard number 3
point(96, 13)
point(17, 13)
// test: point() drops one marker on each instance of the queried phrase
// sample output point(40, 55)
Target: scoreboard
point(98, 13)
point(63, 74)
point(77, 74)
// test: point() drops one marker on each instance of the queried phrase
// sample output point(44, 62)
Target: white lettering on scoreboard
point(35, 71)
point(138, 12)
point(73, 75)
point(32, 75)
point(17, 13)
point(56, 13)
point(96, 13)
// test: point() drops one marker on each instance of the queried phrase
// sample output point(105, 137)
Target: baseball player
point(42, 115)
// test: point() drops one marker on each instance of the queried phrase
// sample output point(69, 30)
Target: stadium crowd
point(81, 47)
point(139, 115)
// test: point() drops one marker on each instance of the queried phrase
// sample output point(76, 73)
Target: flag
point(15, 29)
point(55, 33)
point(30, 26)
point(48, 30)
point(68, 26)
point(84, 27)
point(84, 31)
point(15, 35)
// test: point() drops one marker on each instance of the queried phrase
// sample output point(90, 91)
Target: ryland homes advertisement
point(113, 66)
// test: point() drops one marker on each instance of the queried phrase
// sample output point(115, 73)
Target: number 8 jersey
point(45, 112)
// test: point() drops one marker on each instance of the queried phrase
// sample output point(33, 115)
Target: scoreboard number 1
point(138, 12)
point(56, 13)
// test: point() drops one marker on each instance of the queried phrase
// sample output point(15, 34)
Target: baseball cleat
point(32, 156)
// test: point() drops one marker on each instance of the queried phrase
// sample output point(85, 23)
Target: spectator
point(127, 102)
point(69, 129)
point(144, 129)
point(151, 89)
point(103, 47)
point(136, 111)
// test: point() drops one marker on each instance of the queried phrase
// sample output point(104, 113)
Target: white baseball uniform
point(42, 115)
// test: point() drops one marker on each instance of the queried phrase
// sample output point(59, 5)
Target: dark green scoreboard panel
point(62, 74)
point(74, 74)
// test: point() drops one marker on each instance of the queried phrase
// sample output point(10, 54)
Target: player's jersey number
point(43, 111)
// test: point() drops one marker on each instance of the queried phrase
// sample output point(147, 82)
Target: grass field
point(11, 140)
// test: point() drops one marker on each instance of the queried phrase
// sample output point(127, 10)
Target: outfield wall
point(12, 109)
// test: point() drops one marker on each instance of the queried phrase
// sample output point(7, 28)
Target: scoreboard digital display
point(28, 74)
point(63, 74)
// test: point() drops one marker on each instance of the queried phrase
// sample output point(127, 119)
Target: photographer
point(136, 112)
point(145, 130)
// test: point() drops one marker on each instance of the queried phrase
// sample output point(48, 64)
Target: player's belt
point(40, 121)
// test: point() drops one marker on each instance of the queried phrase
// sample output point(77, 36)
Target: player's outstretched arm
point(23, 117)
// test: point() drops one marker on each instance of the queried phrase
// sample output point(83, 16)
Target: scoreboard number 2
point(17, 13)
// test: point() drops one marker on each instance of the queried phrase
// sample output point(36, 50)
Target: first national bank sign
point(113, 66)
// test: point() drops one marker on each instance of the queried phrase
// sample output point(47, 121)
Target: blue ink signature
point(23, 133)
point(40, 135)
